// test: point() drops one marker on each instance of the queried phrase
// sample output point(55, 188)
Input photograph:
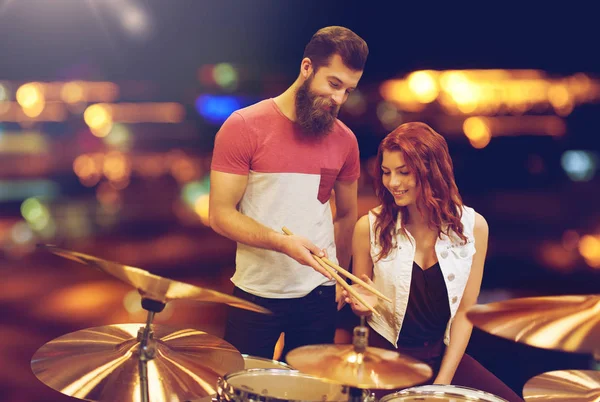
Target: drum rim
point(277, 362)
point(450, 393)
point(223, 384)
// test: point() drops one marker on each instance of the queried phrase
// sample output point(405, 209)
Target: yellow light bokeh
point(72, 92)
point(30, 97)
point(116, 167)
point(99, 119)
point(201, 208)
point(589, 248)
point(490, 92)
point(424, 85)
point(477, 131)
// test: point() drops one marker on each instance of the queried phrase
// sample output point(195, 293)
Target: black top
point(428, 311)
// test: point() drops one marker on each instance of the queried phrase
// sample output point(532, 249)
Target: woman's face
point(398, 179)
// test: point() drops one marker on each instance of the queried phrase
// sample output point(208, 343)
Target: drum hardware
point(128, 362)
point(566, 323)
point(152, 286)
point(569, 323)
point(441, 393)
point(564, 386)
point(108, 363)
point(359, 366)
point(253, 362)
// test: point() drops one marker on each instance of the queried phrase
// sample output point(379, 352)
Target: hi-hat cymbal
point(564, 386)
point(567, 323)
point(374, 369)
point(153, 286)
point(101, 364)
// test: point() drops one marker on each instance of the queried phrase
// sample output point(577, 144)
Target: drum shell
point(438, 392)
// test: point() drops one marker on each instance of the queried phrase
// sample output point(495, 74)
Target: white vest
point(392, 275)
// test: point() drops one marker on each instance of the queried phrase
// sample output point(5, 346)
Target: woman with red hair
point(425, 249)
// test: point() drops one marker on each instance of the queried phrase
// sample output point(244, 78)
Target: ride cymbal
point(153, 286)
point(375, 368)
point(102, 363)
point(567, 323)
point(564, 386)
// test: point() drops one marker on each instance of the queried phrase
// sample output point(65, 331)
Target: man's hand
point(300, 248)
point(369, 297)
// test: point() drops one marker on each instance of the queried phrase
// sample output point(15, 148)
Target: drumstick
point(356, 279)
point(338, 278)
point(347, 274)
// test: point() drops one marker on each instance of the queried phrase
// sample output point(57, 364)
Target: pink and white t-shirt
point(290, 179)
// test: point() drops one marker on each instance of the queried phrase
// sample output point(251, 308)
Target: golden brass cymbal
point(374, 369)
point(567, 323)
point(564, 386)
point(101, 364)
point(153, 286)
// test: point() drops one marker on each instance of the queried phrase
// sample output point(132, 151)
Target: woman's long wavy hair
point(426, 156)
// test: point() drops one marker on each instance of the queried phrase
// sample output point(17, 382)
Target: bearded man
point(275, 164)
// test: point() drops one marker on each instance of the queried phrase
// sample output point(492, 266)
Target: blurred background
point(109, 108)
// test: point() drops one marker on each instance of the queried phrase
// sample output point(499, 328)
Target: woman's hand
point(358, 308)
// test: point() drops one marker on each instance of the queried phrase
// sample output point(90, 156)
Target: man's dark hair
point(337, 40)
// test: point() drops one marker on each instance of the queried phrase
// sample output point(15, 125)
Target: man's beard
point(315, 114)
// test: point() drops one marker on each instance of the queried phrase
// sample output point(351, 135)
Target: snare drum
point(274, 385)
point(255, 362)
point(448, 393)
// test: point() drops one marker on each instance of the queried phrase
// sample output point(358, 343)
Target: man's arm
point(226, 191)
point(346, 200)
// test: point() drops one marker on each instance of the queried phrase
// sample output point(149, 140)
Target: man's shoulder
point(343, 131)
point(261, 109)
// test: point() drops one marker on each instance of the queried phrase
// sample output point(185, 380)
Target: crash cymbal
point(567, 323)
point(101, 364)
point(564, 386)
point(153, 286)
point(374, 369)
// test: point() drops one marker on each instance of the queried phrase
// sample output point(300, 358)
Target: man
point(275, 164)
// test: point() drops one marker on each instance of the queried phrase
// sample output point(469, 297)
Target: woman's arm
point(362, 266)
point(460, 332)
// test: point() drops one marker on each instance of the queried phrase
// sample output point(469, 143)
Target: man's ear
point(306, 67)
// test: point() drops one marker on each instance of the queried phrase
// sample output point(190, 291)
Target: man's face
point(319, 98)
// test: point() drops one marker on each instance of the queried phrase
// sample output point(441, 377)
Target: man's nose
point(338, 98)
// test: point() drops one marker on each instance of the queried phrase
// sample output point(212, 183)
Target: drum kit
point(151, 362)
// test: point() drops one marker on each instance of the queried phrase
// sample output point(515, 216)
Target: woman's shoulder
point(477, 220)
point(363, 223)
point(481, 226)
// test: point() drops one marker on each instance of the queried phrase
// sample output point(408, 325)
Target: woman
point(425, 250)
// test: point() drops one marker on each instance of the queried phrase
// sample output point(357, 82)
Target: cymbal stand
point(147, 348)
point(360, 340)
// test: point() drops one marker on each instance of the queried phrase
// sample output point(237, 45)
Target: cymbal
point(153, 286)
point(374, 369)
point(567, 323)
point(101, 363)
point(564, 386)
